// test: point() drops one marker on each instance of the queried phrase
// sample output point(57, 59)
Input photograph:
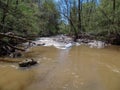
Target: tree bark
point(114, 2)
point(79, 15)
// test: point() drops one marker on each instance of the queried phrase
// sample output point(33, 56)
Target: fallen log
point(27, 63)
point(11, 43)
point(14, 47)
point(14, 36)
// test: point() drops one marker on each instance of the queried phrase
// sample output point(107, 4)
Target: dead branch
point(14, 36)
point(14, 47)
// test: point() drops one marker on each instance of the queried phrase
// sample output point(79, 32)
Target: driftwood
point(14, 47)
point(10, 35)
point(8, 47)
point(28, 63)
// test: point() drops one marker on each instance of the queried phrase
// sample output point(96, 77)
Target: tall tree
point(79, 15)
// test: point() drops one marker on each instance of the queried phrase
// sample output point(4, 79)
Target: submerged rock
point(65, 42)
point(97, 44)
point(27, 63)
point(41, 44)
point(68, 45)
point(59, 41)
point(91, 43)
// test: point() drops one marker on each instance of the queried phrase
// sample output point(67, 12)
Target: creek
point(74, 68)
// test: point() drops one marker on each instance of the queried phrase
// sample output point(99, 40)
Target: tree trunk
point(5, 11)
point(113, 11)
point(79, 16)
point(17, 2)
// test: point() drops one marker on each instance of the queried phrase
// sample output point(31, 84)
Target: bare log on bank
point(14, 36)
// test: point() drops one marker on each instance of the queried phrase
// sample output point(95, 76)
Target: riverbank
point(58, 41)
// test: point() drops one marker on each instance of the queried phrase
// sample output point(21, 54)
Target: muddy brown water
point(77, 68)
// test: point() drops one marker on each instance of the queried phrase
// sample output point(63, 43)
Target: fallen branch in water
point(9, 42)
point(10, 35)
point(14, 47)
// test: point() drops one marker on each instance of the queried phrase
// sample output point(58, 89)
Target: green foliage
point(28, 18)
point(42, 17)
point(49, 17)
point(64, 28)
point(101, 18)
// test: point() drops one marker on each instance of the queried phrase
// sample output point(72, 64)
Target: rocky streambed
point(65, 42)
point(59, 42)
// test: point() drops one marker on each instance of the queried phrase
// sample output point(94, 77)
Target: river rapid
point(77, 67)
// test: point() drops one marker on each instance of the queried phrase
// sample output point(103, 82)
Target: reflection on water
point(76, 68)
